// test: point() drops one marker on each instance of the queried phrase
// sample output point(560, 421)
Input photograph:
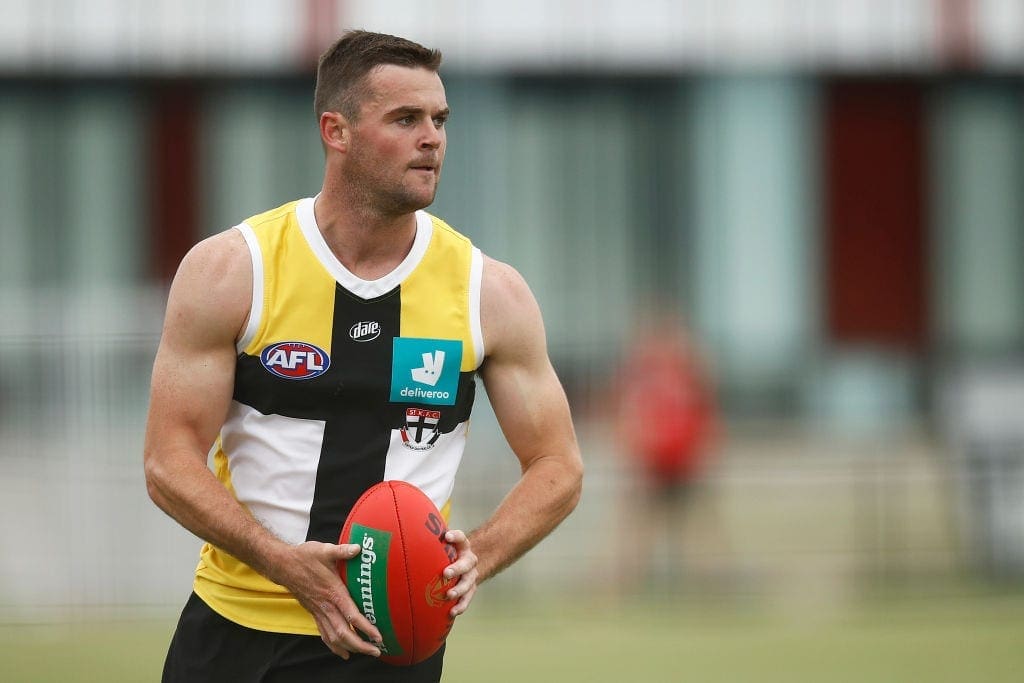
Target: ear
point(334, 131)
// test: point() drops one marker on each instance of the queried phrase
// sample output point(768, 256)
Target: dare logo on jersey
point(364, 331)
point(295, 360)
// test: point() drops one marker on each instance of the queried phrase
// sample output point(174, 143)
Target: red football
point(396, 580)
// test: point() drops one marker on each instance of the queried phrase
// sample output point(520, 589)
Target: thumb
point(345, 551)
point(342, 552)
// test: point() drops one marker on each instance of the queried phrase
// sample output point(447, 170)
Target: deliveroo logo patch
point(425, 371)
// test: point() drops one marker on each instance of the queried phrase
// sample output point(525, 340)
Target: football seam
point(408, 582)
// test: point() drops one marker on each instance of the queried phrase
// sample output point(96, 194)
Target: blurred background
point(823, 198)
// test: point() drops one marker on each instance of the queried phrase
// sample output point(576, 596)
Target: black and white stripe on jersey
point(352, 398)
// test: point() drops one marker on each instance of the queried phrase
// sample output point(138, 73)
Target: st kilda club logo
point(420, 432)
point(295, 360)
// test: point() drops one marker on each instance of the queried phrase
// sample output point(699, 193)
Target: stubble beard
point(399, 200)
point(386, 196)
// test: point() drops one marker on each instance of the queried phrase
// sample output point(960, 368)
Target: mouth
point(426, 167)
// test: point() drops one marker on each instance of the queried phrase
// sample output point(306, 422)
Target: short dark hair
point(343, 67)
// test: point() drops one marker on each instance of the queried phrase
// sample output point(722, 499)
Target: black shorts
point(209, 648)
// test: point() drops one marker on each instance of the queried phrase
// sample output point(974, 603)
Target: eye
point(439, 121)
point(407, 120)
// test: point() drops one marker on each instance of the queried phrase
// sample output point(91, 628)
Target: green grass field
point(977, 639)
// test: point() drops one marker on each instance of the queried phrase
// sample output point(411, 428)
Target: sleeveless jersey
point(340, 383)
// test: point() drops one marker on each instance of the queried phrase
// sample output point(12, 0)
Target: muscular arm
point(192, 385)
point(191, 390)
point(532, 410)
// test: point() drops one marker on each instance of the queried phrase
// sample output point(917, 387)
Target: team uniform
point(340, 383)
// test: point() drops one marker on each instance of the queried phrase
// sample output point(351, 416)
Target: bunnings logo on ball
point(367, 579)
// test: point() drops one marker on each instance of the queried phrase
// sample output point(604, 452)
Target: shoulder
point(213, 285)
point(221, 264)
point(510, 316)
point(503, 284)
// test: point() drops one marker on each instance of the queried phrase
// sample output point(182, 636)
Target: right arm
point(192, 386)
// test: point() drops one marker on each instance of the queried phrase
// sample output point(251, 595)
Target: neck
point(369, 244)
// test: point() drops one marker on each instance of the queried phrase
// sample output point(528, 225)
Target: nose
point(433, 136)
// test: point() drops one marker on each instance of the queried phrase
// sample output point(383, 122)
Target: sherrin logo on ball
point(295, 360)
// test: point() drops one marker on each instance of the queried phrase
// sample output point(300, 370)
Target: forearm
point(545, 495)
point(182, 486)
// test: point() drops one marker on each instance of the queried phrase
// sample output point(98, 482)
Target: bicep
point(193, 373)
point(531, 408)
point(521, 383)
point(190, 394)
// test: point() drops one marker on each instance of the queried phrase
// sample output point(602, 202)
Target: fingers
point(464, 591)
point(466, 560)
point(463, 604)
point(354, 619)
point(340, 629)
point(323, 593)
point(358, 623)
point(331, 637)
point(457, 538)
point(465, 569)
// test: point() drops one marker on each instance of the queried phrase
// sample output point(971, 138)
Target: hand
point(311, 574)
point(464, 568)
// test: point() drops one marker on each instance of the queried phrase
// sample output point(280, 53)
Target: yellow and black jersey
point(340, 383)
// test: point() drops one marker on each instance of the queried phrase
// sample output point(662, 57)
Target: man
point(324, 346)
point(667, 426)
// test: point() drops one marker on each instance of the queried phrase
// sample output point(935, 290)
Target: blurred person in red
point(666, 424)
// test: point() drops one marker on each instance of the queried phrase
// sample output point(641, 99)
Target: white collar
point(364, 289)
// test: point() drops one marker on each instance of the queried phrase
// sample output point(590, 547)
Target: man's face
point(397, 145)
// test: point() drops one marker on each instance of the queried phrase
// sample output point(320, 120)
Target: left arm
point(534, 416)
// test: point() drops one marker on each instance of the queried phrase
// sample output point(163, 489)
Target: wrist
point(271, 557)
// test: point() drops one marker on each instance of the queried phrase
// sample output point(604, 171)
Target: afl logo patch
point(295, 360)
point(364, 331)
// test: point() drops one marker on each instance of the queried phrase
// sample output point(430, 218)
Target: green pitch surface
point(962, 640)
